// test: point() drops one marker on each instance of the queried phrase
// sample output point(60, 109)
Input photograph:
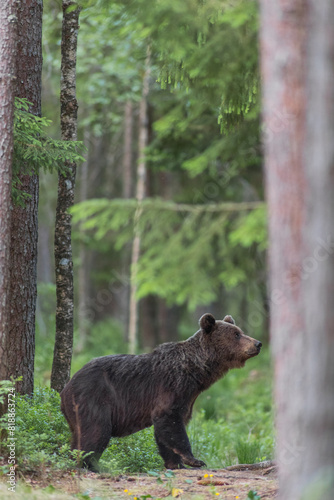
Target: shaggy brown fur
point(122, 394)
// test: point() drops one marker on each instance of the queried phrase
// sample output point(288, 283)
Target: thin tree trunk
point(127, 152)
point(8, 45)
point(168, 319)
point(140, 195)
point(62, 358)
point(297, 42)
point(83, 273)
point(148, 322)
point(24, 221)
point(127, 184)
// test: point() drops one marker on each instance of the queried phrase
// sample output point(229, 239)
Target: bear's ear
point(207, 322)
point(229, 319)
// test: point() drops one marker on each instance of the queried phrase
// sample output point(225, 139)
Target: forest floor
point(186, 484)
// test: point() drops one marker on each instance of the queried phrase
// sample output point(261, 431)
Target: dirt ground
point(184, 484)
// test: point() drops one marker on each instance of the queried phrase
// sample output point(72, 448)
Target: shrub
point(135, 453)
point(42, 434)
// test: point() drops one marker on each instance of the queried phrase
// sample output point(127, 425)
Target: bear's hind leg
point(92, 438)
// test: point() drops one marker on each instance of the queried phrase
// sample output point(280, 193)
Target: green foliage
point(35, 150)
point(251, 229)
point(182, 245)
point(135, 453)
point(205, 63)
point(207, 46)
point(42, 435)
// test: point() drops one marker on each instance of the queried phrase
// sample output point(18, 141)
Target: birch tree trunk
point(140, 195)
point(127, 150)
point(62, 357)
point(127, 184)
point(83, 272)
point(24, 220)
point(297, 45)
point(8, 45)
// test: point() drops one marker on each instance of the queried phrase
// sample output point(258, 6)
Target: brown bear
point(118, 395)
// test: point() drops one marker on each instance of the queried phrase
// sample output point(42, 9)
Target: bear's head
point(228, 342)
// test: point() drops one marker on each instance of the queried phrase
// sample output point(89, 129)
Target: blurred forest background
point(172, 88)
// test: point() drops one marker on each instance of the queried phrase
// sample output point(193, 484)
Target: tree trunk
point(127, 184)
point(24, 221)
point(318, 265)
point(83, 272)
point(127, 152)
point(148, 322)
point(297, 44)
point(8, 45)
point(140, 195)
point(168, 320)
point(62, 357)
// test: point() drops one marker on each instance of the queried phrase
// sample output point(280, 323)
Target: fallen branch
point(260, 465)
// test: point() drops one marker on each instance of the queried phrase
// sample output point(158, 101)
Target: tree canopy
point(202, 224)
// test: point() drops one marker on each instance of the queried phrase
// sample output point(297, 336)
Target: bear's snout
point(255, 349)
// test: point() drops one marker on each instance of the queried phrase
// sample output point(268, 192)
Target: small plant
point(248, 452)
point(252, 495)
point(170, 476)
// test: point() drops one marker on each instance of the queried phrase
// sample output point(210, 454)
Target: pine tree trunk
point(8, 46)
point(297, 44)
point(61, 366)
point(140, 195)
point(24, 221)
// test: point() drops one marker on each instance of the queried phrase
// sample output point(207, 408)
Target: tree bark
point(83, 271)
point(24, 220)
point(8, 46)
point(127, 151)
point(62, 358)
point(318, 265)
point(140, 195)
point(297, 45)
point(127, 185)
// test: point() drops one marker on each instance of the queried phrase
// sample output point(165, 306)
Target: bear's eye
point(237, 335)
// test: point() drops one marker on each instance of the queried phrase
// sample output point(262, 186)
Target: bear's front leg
point(172, 440)
point(171, 459)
